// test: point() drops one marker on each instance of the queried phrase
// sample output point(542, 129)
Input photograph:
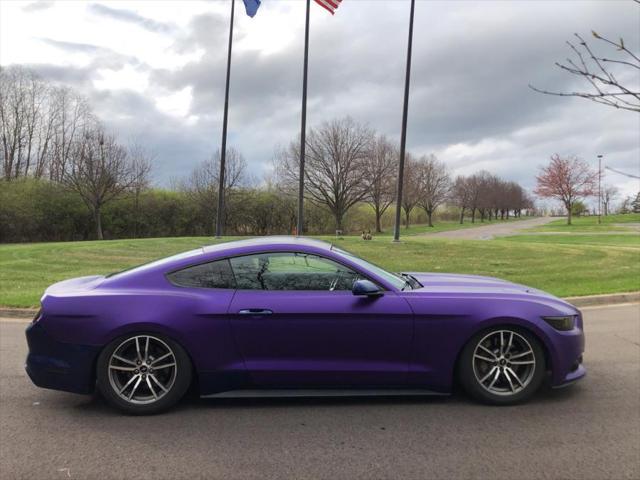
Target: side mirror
point(366, 288)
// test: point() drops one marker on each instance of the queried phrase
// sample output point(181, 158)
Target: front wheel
point(502, 366)
point(143, 373)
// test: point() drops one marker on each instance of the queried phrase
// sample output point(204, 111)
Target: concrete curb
point(587, 301)
point(608, 299)
point(18, 312)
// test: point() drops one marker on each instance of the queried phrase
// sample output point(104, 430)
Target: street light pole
point(599, 189)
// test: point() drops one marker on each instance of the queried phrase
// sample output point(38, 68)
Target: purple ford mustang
point(292, 316)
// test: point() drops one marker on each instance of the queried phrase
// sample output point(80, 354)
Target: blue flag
point(251, 6)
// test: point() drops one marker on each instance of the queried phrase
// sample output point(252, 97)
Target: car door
point(297, 323)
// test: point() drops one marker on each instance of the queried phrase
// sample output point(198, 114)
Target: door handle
point(256, 311)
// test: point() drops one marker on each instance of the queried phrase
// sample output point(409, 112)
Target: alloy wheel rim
point(142, 369)
point(504, 362)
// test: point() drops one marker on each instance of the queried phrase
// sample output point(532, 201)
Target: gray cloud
point(37, 6)
point(470, 101)
point(77, 77)
point(101, 56)
point(75, 47)
point(130, 115)
point(131, 17)
point(469, 82)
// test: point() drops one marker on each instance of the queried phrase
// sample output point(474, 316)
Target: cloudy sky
point(154, 70)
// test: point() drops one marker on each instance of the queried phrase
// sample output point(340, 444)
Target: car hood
point(464, 283)
point(452, 283)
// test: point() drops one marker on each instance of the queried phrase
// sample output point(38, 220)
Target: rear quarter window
point(216, 274)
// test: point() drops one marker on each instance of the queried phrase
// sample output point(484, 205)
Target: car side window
point(216, 274)
point(291, 271)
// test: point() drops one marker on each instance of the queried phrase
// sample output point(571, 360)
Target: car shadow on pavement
point(96, 405)
point(559, 395)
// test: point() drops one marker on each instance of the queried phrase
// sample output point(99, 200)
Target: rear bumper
point(57, 365)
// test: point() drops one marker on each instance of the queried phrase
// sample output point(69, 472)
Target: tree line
point(347, 163)
point(49, 133)
point(65, 177)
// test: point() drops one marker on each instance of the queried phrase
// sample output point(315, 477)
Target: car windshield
point(396, 280)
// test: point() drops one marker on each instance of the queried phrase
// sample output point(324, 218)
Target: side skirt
point(264, 393)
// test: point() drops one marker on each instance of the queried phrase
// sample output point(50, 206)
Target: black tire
point(180, 374)
point(468, 371)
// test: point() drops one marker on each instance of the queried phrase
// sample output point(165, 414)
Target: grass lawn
point(613, 239)
point(27, 268)
point(563, 269)
point(590, 224)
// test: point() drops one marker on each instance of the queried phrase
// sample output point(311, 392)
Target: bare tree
point(514, 198)
point(635, 204)
point(461, 195)
point(411, 187)
point(625, 205)
point(379, 170)
point(520, 199)
point(434, 185)
point(13, 112)
point(74, 117)
point(609, 193)
point(336, 156)
point(475, 184)
point(607, 76)
point(202, 185)
point(34, 96)
point(567, 180)
point(140, 159)
point(46, 131)
point(98, 171)
point(492, 197)
point(38, 124)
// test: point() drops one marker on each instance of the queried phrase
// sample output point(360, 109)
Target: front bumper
point(573, 377)
point(59, 366)
point(566, 362)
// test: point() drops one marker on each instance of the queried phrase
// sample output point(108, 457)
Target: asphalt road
point(588, 431)
point(490, 230)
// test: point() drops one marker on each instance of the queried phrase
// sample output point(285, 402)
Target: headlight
point(564, 323)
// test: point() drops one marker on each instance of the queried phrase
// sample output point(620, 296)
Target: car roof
point(235, 247)
point(269, 241)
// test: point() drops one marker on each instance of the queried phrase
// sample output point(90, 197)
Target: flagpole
point(223, 149)
point(303, 127)
point(403, 135)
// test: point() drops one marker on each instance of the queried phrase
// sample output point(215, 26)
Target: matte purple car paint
point(313, 338)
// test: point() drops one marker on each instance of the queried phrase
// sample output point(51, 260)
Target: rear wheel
point(502, 366)
point(143, 373)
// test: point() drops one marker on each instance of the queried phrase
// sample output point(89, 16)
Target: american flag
point(330, 5)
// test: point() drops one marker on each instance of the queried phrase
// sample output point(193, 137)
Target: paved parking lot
point(588, 431)
point(491, 230)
